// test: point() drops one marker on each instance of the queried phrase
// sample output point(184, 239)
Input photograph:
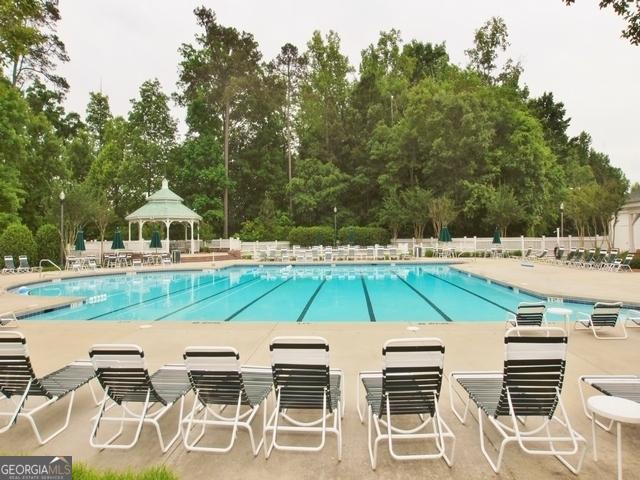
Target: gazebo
point(165, 206)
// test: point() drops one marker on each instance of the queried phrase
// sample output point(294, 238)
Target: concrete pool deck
point(354, 347)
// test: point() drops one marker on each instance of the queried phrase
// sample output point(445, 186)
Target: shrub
point(17, 240)
point(364, 236)
point(48, 243)
point(310, 236)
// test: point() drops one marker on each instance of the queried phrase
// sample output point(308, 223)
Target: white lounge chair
point(123, 374)
point(604, 315)
point(24, 266)
point(527, 315)
point(529, 387)
point(408, 385)
point(8, 320)
point(303, 380)
point(9, 266)
point(218, 379)
point(19, 384)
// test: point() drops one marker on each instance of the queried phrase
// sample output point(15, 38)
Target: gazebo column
point(140, 244)
point(168, 224)
point(129, 238)
point(192, 243)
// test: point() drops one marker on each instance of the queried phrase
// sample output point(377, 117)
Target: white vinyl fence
point(464, 244)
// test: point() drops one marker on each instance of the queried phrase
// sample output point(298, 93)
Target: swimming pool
point(341, 293)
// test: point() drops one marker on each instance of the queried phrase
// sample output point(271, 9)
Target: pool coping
point(77, 301)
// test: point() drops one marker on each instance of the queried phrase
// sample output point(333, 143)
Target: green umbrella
point(80, 247)
point(117, 243)
point(444, 236)
point(155, 240)
point(496, 237)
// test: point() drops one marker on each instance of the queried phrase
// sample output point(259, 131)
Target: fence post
point(569, 242)
point(543, 242)
point(475, 244)
point(522, 246)
point(558, 236)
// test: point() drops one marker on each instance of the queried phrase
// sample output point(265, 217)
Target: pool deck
point(354, 347)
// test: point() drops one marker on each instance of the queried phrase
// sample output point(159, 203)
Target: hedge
point(48, 243)
point(364, 236)
point(17, 240)
point(311, 236)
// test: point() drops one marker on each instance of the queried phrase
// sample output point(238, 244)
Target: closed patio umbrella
point(79, 245)
point(496, 237)
point(117, 243)
point(444, 236)
point(155, 240)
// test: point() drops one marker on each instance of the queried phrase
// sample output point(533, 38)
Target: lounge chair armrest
point(585, 316)
point(369, 374)
point(477, 374)
point(255, 368)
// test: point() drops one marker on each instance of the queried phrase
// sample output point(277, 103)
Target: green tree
point(316, 188)
point(442, 211)
point(78, 155)
point(29, 45)
point(488, 41)
point(416, 201)
point(108, 171)
point(289, 66)
point(630, 13)
point(97, 116)
point(217, 76)
point(393, 214)
point(503, 209)
point(153, 136)
point(324, 100)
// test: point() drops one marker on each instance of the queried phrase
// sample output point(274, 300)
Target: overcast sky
point(575, 52)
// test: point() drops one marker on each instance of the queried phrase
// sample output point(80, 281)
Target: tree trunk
point(288, 133)
point(225, 233)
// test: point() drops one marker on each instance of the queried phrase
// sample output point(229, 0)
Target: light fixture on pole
point(335, 226)
point(561, 219)
point(62, 196)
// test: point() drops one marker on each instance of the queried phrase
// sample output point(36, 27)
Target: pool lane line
point(256, 300)
point(433, 305)
point(372, 316)
point(472, 293)
point(205, 298)
point(311, 299)
point(152, 299)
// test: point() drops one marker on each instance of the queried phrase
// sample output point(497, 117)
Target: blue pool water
point(343, 293)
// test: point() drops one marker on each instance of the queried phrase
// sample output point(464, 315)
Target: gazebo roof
point(164, 205)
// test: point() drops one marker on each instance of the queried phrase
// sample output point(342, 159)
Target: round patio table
point(562, 311)
point(620, 410)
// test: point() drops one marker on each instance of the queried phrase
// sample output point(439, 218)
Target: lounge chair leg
point(494, 466)
point(29, 416)
point(13, 417)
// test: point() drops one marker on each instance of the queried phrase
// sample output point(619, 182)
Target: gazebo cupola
point(167, 207)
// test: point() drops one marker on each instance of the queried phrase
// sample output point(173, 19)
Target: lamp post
point(335, 226)
point(561, 219)
point(61, 196)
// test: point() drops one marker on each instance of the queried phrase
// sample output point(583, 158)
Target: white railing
point(464, 244)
